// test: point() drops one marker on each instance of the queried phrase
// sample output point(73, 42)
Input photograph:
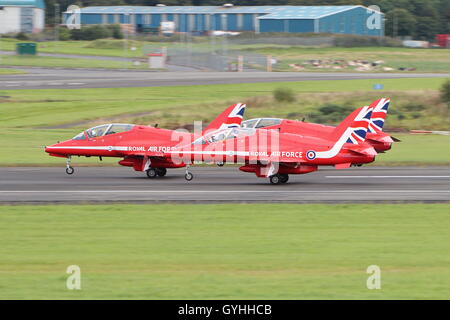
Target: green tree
point(427, 28)
point(400, 22)
point(445, 91)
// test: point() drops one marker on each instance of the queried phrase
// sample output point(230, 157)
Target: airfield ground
point(221, 251)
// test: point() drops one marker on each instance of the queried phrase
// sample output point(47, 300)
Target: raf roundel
point(310, 155)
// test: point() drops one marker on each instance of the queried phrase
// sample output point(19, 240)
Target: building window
point(191, 20)
point(176, 19)
point(255, 23)
point(147, 19)
point(240, 21)
point(117, 18)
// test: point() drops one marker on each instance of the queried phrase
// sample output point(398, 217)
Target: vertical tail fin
point(231, 117)
point(352, 130)
point(358, 121)
point(360, 126)
point(380, 109)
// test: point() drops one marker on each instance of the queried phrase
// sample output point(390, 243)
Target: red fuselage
point(295, 154)
point(131, 145)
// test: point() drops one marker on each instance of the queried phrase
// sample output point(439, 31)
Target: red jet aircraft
point(375, 135)
point(276, 154)
point(141, 147)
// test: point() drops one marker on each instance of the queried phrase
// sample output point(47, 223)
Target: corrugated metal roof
point(307, 12)
point(23, 3)
point(272, 12)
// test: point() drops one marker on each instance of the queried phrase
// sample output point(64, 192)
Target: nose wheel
point(69, 168)
point(188, 176)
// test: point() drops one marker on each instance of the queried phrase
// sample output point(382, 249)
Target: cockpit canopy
point(103, 130)
point(260, 123)
point(224, 134)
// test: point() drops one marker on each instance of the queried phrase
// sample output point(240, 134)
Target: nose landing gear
point(69, 169)
point(188, 176)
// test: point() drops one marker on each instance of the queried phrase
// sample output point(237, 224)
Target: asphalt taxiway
point(223, 185)
point(42, 78)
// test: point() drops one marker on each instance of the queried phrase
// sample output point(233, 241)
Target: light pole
point(56, 21)
point(224, 41)
point(125, 43)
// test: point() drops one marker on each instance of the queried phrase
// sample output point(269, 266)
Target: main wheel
point(275, 179)
point(161, 172)
point(220, 164)
point(284, 178)
point(70, 170)
point(151, 173)
point(189, 176)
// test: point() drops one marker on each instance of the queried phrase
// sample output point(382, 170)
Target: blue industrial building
point(202, 19)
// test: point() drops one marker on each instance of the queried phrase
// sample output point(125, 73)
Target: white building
point(26, 16)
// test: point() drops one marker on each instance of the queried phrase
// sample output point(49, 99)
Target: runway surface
point(223, 185)
point(41, 78)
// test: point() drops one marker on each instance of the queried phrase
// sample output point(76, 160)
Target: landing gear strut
point(188, 176)
point(69, 169)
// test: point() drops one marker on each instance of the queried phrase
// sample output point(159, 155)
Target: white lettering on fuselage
point(151, 149)
point(288, 154)
point(160, 149)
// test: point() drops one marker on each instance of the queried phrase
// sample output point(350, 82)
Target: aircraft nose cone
point(49, 149)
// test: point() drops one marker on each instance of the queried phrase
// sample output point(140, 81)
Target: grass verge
point(225, 251)
point(10, 71)
point(39, 61)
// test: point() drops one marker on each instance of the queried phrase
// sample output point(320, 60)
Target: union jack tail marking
point(380, 109)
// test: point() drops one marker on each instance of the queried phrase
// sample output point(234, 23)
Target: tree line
point(419, 19)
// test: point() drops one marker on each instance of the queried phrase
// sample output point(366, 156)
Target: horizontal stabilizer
point(383, 139)
point(342, 165)
point(363, 150)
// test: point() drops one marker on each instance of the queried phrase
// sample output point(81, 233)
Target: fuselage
point(257, 147)
point(132, 145)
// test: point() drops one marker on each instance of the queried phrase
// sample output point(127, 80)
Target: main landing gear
point(69, 169)
point(156, 172)
point(279, 178)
